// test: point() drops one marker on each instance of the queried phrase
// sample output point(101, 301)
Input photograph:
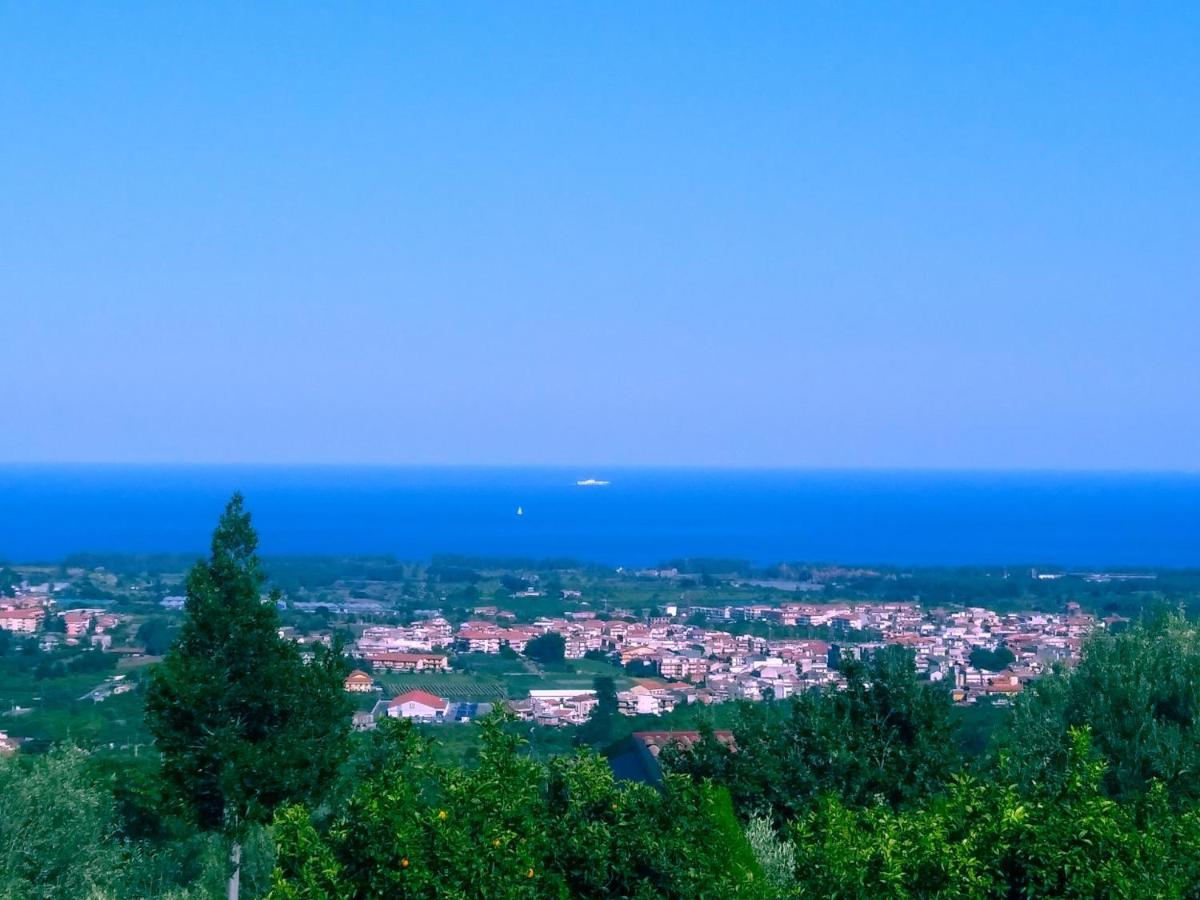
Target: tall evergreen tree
point(242, 722)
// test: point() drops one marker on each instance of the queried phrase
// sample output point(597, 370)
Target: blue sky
point(823, 234)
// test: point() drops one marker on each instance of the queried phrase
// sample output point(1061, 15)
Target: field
point(451, 685)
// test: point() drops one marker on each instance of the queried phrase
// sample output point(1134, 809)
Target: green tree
point(243, 724)
point(598, 729)
point(57, 830)
point(991, 660)
point(513, 827)
point(1138, 692)
point(886, 736)
point(155, 635)
point(985, 838)
point(548, 649)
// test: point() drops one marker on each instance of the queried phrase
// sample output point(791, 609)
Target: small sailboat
point(520, 511)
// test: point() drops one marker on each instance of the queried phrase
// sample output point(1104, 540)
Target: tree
point(886, 736)
point(991, 660)
point(155, 635)
point(512, 827)
point(985, 838)
point(598, 729)
point(242, 723)
point(1138, 693)
point(548, 649)
point(57, 829)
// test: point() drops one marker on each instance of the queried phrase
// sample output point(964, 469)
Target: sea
point(642, 517)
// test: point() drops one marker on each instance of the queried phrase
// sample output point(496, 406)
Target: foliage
point(991, 660)
point(1139, 694)
point(548, 649)
point(512, 827)
point(155, 635)
point(776, 857)
point(242, 722)
point(987, 839)
point(886, 736)
point(57, 830)
point(598, 729)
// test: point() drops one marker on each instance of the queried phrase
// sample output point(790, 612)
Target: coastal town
point(670, 646)
point(977, 653)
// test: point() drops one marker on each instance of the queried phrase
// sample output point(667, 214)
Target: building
point(409, 662)
point(420, 706)
point(24, 621)
point(359, 682)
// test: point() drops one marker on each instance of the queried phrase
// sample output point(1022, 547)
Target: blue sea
point(642, 517)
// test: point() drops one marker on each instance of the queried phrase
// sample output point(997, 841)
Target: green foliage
point(598, 730)
point(991, 660)
point(776, 857)
point(155, 635)
point(242, 722)
point(886, 736)
point(988, 839)
point(549, 649)
point(1139, 694)
point(57, 830)
point(513, 827)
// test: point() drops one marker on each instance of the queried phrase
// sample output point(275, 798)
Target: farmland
point(451, 685)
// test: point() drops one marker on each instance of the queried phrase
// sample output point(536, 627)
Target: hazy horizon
point(594, 469)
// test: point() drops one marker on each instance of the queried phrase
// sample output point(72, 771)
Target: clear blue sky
point(809, 234)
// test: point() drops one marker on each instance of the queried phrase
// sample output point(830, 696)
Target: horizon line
point(600, 468)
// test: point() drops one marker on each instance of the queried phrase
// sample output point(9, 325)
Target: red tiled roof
point(423, 697)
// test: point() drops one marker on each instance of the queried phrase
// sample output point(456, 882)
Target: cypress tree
point(243, 724)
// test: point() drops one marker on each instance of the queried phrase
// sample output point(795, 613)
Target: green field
point(452, 686)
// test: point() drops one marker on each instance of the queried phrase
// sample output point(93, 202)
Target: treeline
point(1092, 789)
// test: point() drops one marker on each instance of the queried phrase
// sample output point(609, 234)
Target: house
point(553, 708)
point(420, 706)
point(358, 682)
point(24, 621)
point(77, 621)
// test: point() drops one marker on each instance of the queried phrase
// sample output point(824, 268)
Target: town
point(977, 653)
point(446, 643)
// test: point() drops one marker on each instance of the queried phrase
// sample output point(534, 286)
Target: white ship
point(592, 482)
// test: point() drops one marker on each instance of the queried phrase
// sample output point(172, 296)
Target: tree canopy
point(887, 736)
point(547, 649)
